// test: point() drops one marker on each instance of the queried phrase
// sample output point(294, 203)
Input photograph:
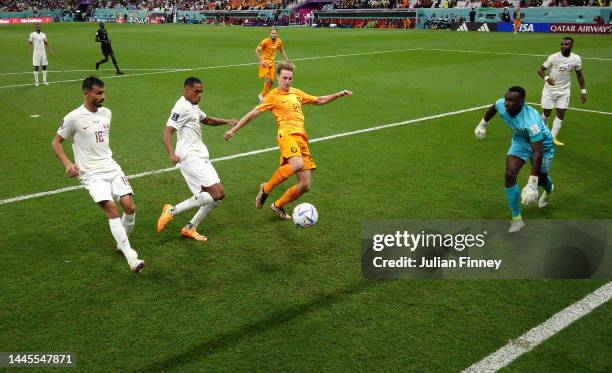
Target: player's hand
point(263, 64)
point(583, 98)
point(288, 60)
point(481, 130)
point(232, 122)
point(175, 159)
point(529, 194)
point(345, 93)
point(228, 135)
point(550, 81)
point(72, 170)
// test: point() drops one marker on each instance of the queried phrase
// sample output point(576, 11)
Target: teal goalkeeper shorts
point(522, 149)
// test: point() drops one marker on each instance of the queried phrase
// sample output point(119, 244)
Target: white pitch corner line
point(526, 342)
point(253, 152)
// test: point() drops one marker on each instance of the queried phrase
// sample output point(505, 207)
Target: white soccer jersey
point(38, 43)
point(89, 133)
point(186, 118)
point(561, 68)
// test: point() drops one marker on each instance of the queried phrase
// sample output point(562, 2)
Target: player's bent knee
point(110, 208)
point(304, 188)
point(44, 67)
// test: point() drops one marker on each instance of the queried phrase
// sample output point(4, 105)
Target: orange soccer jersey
point(287, 109)
point(268, 49)
point(268, 54)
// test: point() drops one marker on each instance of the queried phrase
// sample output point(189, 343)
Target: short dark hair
point(90, 82)
point(191, 81)
point(519, 90)
point(569, 38)
point(273, 29)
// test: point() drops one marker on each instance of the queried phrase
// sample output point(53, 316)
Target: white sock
point(197, 200)
point(557, 123)
point(128, 222)
point(545, 119)
point(203, 213)
point(122, 239)
point(35, 76)
point(44, 75)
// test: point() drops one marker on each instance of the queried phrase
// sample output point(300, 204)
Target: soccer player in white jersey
point(191, 156)
point(36, 44)
point(88, 128)
point(557, 85)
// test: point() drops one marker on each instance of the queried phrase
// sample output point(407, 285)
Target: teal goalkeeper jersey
point(527, 126)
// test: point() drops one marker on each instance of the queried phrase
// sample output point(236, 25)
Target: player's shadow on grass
point(274, 320)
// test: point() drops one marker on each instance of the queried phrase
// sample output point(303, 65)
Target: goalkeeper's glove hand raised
point(481, 130)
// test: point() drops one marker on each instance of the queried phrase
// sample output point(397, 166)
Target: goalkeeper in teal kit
point(531, 140)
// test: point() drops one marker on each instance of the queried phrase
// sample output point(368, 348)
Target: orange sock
point(281, 174)
point(290, 195)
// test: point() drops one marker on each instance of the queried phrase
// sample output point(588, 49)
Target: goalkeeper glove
point(529, 194)
point(481, 129)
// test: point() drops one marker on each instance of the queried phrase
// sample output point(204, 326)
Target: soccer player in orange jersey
point(266, 54)
point(286, 103)
point(518, 15)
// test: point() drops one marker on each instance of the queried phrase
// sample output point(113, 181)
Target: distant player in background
point(107, 49)
point(286, 102)
point(192, 158)
point(37, 44)
point(518, 15)
point(88, 128)
point(266, 54)
point(531, 140)
point(557, 86)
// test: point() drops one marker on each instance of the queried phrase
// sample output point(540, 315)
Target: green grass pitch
point(261, 294)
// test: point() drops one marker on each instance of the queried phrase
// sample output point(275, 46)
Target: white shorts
point(39, 60)
point(558, 100)
point(107, 186)
point(199, 173)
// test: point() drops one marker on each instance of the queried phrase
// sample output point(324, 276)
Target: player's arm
point(542, 74)
point(322, 100)
point(284, 54)
point(48, 46)
point(241, 123)
point(481, 128)
point(30, 49)
point(72, 170)
point(258, 53)
point(212, 121)
point(583, 91)
point(98, 38)
point(167, 139)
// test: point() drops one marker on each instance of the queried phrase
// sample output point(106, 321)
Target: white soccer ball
point(305, 215)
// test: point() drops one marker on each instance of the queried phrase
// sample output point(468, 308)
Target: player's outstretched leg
point(168, 211)
point(292, 194)
point(281, 174)
point(217, 192)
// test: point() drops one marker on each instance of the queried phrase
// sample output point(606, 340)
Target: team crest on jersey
point(535, 129)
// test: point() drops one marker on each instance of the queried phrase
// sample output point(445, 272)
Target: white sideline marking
point(542, 332)
point(506, 53)
point(214, 67)
point(578, 109)
point(90, 70)
point(253, 152)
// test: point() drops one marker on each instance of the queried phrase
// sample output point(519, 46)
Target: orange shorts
point(295, 145)
point(266, 72)
point(517, 23)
